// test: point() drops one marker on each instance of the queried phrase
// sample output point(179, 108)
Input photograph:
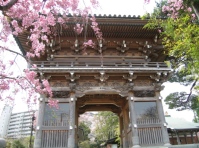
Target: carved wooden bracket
point(122, 46)
point(160, 76)
point(77, 46)
point(130, 77)
point(72, 77)
point(103, 77)
point(156, 76)
point(52, 47)
point(149, 49)
point(101, 45)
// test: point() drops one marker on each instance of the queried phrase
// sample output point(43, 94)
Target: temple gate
point(123, 73)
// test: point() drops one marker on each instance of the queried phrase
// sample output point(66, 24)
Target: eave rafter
point(98, 107)
point(99, 98)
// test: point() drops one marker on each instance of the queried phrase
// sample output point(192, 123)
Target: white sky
point(127, 7)
point(176, 87)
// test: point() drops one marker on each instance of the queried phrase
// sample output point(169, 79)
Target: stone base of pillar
point(37, 143)
point(167, 144)
point(136, 146)
point(135, 141)
point(71, 141)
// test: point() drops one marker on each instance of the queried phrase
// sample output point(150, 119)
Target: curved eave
point(20, 45)
point(183, 129)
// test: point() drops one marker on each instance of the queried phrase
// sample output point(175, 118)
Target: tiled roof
point(111, 26)
point(180, 124)
point(113, 16)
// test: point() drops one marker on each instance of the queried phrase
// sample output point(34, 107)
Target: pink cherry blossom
point(89, 43)
point(193, 15)
point(37, 17)
point(175, 8)
point(53, 103)
point(146, 1)
point(78, 29)
point(189, 9)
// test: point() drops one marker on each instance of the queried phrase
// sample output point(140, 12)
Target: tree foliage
point(177, 22)
point(106, 125)
point(17, 144)
point(85, 144)
point(85, 129)
point(26, 141)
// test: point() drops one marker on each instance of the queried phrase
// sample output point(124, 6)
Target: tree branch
point(195, 10)
point(191, 89)
point(13, 52)
point(8, 5)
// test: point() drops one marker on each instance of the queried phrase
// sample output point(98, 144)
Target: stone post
point(135, 138)
point(162, 119)
point(72, 126)
point(38, 135)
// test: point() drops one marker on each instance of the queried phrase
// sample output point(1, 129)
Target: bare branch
point(189, 94)
point(8, 5)
point(191, 89)
point(6, 77)
point(195, 10)
point(14, 52)
point(15, 78)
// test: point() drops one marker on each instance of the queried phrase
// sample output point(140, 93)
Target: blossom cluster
point(174, 8)
point(53, 103)
point(37, 18)
point(12, 84)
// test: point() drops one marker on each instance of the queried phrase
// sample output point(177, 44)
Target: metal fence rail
point(42, 64)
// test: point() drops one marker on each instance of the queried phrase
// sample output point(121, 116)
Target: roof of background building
point(180, 124)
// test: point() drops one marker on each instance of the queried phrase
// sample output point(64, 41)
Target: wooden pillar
point(121, 129)
point(172, 138)
point(178, 138)
point(135, 138)
point(196, 136)
point(162, 119)
point(77, 124)
point(125, 127)
point(192, 140)
point(185, 137)
point(72, 126)
point(38, 134)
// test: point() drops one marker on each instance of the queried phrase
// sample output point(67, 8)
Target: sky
point(126, 7)
point(176, 87)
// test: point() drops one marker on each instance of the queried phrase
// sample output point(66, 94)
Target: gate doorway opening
point(106, 112)
point(103, 128)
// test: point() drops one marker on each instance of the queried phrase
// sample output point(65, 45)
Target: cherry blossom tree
point(36, 17)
